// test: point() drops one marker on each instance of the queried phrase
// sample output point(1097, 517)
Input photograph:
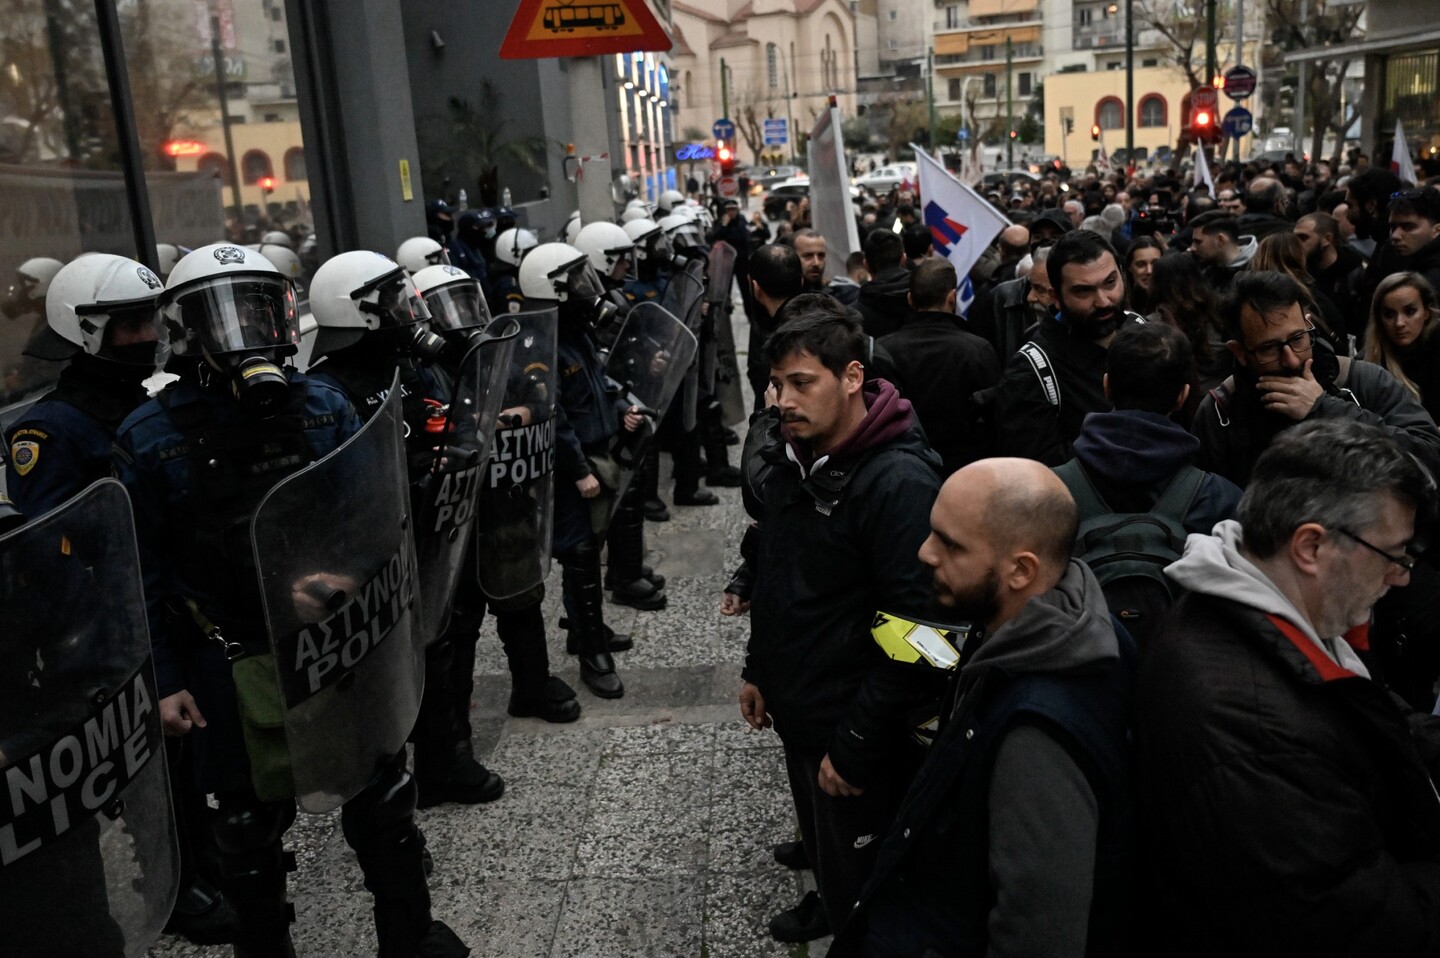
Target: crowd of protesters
point(1095, 618)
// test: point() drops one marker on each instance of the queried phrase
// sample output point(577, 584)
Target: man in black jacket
point(937, 360)
point(1013, 837)
point(1056, 379)
point(1336, 266)
point(1290, 801)
point(840, 481)
point(1285, 374)
point(884, 301)
point(1415, 231)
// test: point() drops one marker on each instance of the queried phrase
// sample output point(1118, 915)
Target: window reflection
point(236, 173)
point(60, 180)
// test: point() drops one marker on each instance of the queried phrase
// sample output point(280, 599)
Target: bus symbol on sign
point(565, 18)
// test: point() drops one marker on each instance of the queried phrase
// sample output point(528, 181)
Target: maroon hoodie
point(887, 417)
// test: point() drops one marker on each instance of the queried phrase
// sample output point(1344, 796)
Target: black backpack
point(1128, 551)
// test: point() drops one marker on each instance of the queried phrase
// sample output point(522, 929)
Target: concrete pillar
point(589, 116)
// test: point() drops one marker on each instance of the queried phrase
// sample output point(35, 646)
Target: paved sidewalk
point(643, 829)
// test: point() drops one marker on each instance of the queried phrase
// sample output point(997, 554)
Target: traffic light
point(267, 183)
point(726, 158)
point(1203, 128)
point(1095, 132)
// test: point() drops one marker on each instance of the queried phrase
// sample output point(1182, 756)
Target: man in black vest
point(1011, 839)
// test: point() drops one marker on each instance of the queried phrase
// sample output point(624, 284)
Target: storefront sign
point(694, 151)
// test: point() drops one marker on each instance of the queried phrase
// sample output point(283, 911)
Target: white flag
point(962, 224)
point(1202, 171)
point(1400, 163)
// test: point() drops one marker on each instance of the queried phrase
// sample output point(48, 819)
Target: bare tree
point(1181, 23)
point(1326, 22)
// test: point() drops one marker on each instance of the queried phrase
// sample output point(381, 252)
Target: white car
point(886, 178)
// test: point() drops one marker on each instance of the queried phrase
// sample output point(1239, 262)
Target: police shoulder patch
point(24, 454)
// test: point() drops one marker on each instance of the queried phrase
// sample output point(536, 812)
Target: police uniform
point(503, 294)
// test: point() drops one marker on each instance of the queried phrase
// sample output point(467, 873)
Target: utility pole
point(1210, 65)
point(1129, 84)
point(930, 94)
point(1009, 103)
point(1302, 79)
point(724, 91)
point(225, 119)
point(1239, 53)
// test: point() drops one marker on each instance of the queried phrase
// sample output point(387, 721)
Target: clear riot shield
point(517, 496)
point(88, 859)
point(649, 361)
point(446, 501)
point(335, 554)
point(720, 274)
point(684, 299)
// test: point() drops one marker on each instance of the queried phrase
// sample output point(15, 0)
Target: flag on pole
point(962, 224)
point(1102, 156)
point(1400, 163)
point(1202, 171)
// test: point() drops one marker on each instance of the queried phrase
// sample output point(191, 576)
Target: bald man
point(1013, 838)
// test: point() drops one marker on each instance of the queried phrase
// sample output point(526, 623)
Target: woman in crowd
point(1180, 296)
point(1139, 262)
point(1402, 335)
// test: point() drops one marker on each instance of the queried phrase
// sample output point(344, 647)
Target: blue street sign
point(723, 130)
point(775, 132)
point(962, 134)
point(1238, 122)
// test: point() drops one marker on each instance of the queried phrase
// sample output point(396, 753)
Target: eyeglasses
point(1403, 561)
point(1298, 343)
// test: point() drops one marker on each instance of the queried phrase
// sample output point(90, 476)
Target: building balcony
point(986, 56)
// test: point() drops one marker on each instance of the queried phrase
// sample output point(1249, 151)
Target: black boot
point(202, 916)
point(253, 865)
point(648, 481)
point(718, 471)
point(586, 597)
point(627, 550)
point(533, 690)
point(445, 769)
point(614, 641)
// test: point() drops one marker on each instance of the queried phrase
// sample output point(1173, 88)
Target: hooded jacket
point(1013, 838)
point(1130, 456)
point(838, 541)
point(884, 301)
point(1290, 807)
point(1234, 427)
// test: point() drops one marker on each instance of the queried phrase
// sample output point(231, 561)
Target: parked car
point(886, 178)
point(996, 178)
point(765, 177)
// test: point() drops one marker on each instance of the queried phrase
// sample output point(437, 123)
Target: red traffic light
point(1095, 132)
point(724, 153)
point(1203, 120)
point(267, 183)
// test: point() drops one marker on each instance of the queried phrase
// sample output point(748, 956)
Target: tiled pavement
point(643, 829)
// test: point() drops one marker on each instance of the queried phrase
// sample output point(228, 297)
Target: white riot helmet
point(167, 255)
point(669, 200)
point(95, 300)
point(420, 252)
point(637, 204)
point(361, 291)
point(277, 238)
point(512, 245)
point(454, 299)
point(560, 273)
point(682, 231)
point(32, 282)
point(634, 213)
point(645, 234)
point(572, 229)
point(231, 307)
point(285, 260)
point(610, 248)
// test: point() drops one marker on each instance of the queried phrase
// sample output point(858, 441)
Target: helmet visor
point(392, 299)
point(125, 332)
point(232, 314)
point(689, 236)
point(457, 306)
point(580, 283)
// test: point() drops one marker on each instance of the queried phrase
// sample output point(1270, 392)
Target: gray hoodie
point(1213, 565)
point(1044, 817)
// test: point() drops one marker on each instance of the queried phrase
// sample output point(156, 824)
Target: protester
point(1288, 803)
point(1140, 258)
point(883, 301)
point(1401, 337)
point(810, 247)
point(1285, 253)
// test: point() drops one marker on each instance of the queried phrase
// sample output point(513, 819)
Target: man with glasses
point(1291, 796)
point(1284, 374)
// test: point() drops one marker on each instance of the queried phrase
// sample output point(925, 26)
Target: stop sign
point(1204, 98)
point(729, 186)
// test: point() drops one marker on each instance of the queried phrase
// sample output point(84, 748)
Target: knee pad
point(385, 802)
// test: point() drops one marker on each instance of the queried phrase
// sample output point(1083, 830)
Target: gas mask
point(256, 381)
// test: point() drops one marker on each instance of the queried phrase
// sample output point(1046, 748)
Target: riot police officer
point(458, 312)
point(372, 323)
point(197, 460)
point(511, 248)
point(101, 317)
point(612, 254)
point(557, 274)
point(473, 230)
point(419, 252)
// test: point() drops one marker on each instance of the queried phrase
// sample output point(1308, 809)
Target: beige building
point(782, 59)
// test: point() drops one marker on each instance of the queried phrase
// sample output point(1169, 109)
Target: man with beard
point(839, 479)
point(1012, 839)
point(1056, 378)
point(1286, 374)
point(1289, 796)
point(1336, 266)
point(1016, 308)
point(810, 247)
point(1367, 202)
